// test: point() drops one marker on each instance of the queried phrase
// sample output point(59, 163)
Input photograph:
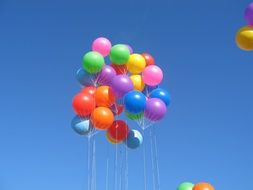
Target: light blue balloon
point(81, 126)
point(134, 139)
point(85, 78)
point(162, 94)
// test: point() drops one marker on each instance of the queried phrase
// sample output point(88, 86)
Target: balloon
point(149, 59)
point(84, 78)
point(119, 54)
point(121, 84)
point(137, 82)
point(244, 38)
point(93, 62)
point(117, 109)
point(130, 48)
point(249, 14)
point(104, 97)
point(134, 139)
point(185, 186)
point(155, 109)
point(106, 75)
point(132, 116)
point(134, 102)
point(89, 90)
point(203, 186)
point(162, 94)
point(148, 89)
point(118, 130)
point(81, 125)
point(83, 104)
point(152, 75)
point(102, 118)
point(110, 140)
point(136, 63)
point(102, 45)
point(120, 69)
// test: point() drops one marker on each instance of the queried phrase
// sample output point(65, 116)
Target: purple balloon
point(106, 75)
point(249, 14)
point(121, 84)
point(130, 48)
point(155, 109)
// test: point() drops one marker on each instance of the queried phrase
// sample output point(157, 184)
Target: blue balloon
point(82, 126)
point(148, 89)
point(135, 102)
point(134, 139)
point(85, 78)
point(162, 94)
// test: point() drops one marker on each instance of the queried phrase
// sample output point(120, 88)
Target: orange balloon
point(203, 186)
point(104, 96)
point(102, 118)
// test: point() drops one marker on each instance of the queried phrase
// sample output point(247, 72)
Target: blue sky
point(207, 134)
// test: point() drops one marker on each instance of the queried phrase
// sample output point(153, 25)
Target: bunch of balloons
point(129, 84)
point(244, 37)
point(198, 186)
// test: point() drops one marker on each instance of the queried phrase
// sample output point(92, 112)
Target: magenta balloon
point(249, 14)
point(155, 109)
point(106, 75)
point(121, 84)
point(152, 75)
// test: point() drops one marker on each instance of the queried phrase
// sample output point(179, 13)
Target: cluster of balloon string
point(107, 91)
point(244, 37)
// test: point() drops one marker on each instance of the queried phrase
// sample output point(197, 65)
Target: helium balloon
point(155, 109)
point(203, 186)
point(121, 84)
point(148, 89)
point(83, 104)
point(117, 109)
point(137, 82)
point(136, 116)
point(119, 54)
point(110, 140)
point(152, 75)
point(104, 97)
point(89, 90)
point(102, 118)
point(130, 48)
point(134, 139)
point(136, 63)
point(81, 125)
point(102, 45)
point(244, 38)
point(162, 94)
point(120, 69)
point(249, 14)
point(185, 186)
point(106, 75)
point(134, 102)
point(149, 59)
point(118, 130)
point(84, 78)
point(93, 62)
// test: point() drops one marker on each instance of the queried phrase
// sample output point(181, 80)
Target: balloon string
point(89, 144)
point(157, 163)
point(116, 167)
point(152, 159)
point(144, 163)
point(126, 170)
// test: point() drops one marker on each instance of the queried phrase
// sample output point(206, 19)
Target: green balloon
point(132, 116)
point(185, 186)
point(119, 54)
point(93, 62)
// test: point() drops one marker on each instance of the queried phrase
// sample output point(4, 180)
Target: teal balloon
point(85, 78)
point(93, 62)
point(134, 139)
point(185, 186)
point(81, 126)
point(119, 54)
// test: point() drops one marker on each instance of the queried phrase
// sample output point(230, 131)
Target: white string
point(157, 164)
point(88, 163)
point(144, 163)
point(152, 160)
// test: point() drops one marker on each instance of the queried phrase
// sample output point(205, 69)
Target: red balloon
point(120, 69)
point(118, 130)
point(83, 104)
point(89, 90)
point(117, 109)
point(149, 59)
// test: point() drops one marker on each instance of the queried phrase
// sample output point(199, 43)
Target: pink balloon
point(152, 75)
point(102, 45)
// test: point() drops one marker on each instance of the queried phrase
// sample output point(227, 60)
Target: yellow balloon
point(244, 38)
point(111, 140)
point(136, 63)
point(138, 82)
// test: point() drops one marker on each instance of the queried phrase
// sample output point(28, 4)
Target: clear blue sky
point(207, 134)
